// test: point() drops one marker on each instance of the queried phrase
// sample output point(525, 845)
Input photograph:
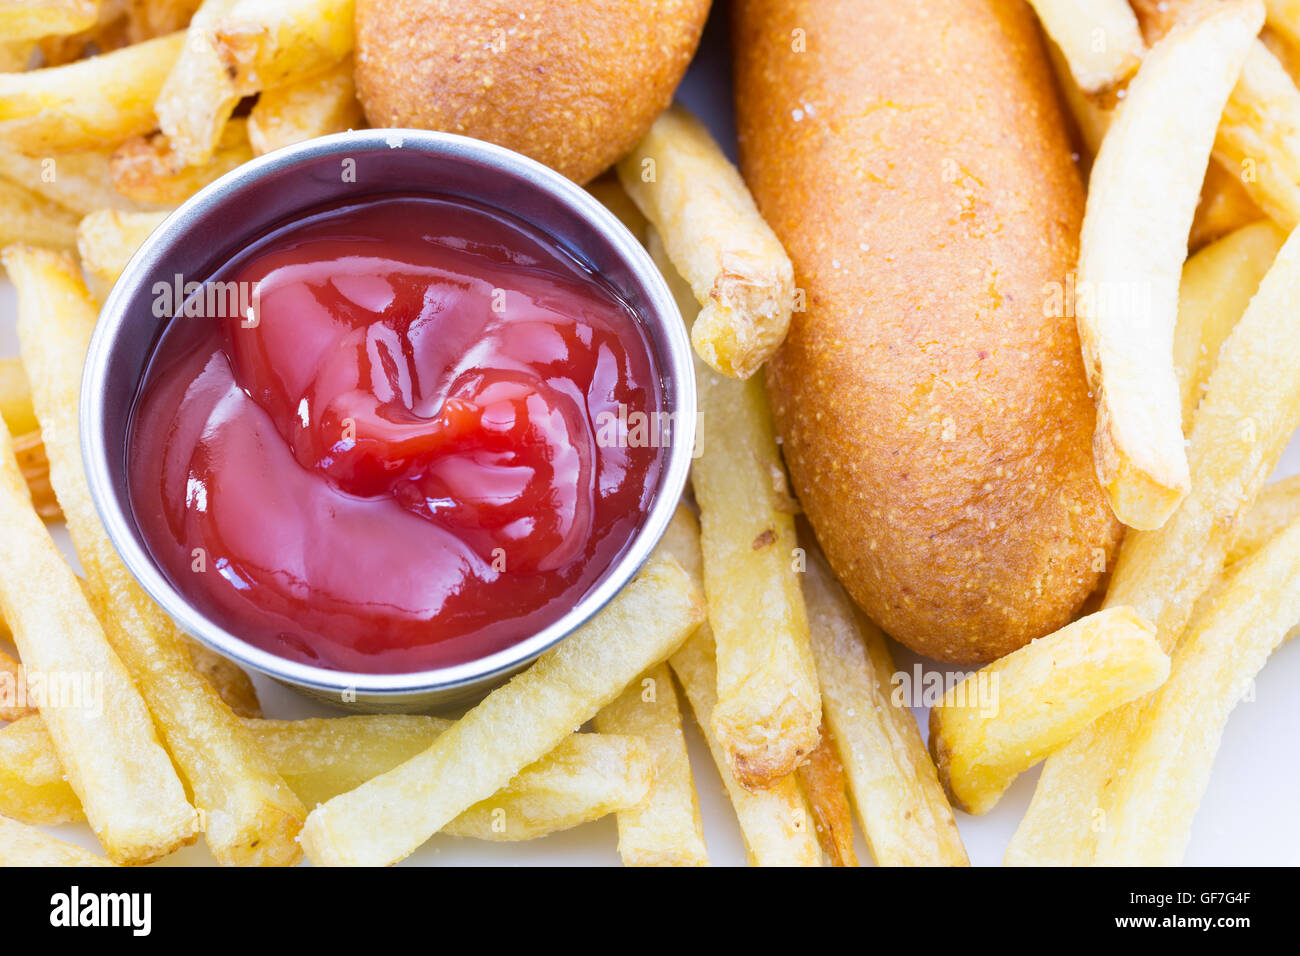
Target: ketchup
point(399, 456)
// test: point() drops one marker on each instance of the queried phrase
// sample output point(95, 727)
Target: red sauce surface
point(403, 460)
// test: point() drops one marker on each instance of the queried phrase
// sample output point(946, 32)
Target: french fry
point(1216, 287)
point(33, 19)
point(775, 823)
point(106, 241)
point(1259, 135)
point(267, 43)
point(893, 784)
point(13, 689)
point(110, 31)
point(666, 829)
point(390, 815)
point(1167, 765)
point(823, 782)
point(16, 55)
point(227, 679)
point(584, 778)
point(1225, 206)
point(152, 18)
point(301, 110)
point(768, 711)
point(22, 845)
point(1099, 38)
point(1284, 18)
point(1259, 132)
point(79, 182)
point(31, 218)
point(133, 799)
point(1277, 506)
point(198, 96)
point(90, 104)
point(251, 815)
point(1250, 410)
point(29, 449)
point(715, 237)
point(1091, 117)
point(16, 397)
point(1141, 201)
point(34, 787)
point(148, 170)
point(1043, 695)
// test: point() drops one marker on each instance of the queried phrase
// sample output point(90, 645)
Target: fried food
point(717, 241)
point(390, 815)
point(664, 830)
point(945, 465)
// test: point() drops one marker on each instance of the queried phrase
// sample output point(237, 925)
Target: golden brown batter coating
point(936, 422)
point(571, 84)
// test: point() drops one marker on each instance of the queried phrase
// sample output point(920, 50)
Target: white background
point(1248, 816)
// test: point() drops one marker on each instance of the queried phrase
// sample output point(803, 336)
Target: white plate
point(1247, 817)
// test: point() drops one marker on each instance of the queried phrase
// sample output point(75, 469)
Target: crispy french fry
point(91, 104)
point(16, 55)
point(134, 801)
point(1250, 410)
point(775, 823)
point(267, 43)
point(768, 711)
point(587, 776)
point(1167, 765)
point(614, 197)
point(29, 217)
point(1277, 506)
point(33, 786)
point(1259, 136)
point(390, 815)
point(148, 170)
point(823, 782)
point(251, 815)
point(152, 18)
point(80, 182)
point(1259, 133)
point(1042, 696)
point(1091, 117)
point(1225, 206)
point(106, 241)
point(1141, 201)
point(198, 96)
point(570, 786)
point(584, 778)
point(33, 19)
point(227, 679)
point(29, 449)
point(315, 106)
point(16, 397)
point(1100, 39)
point(23, 845)
point(892, 782)
point(715, 237)
point(1284, 18)
point(1216, 287)
point(666, 829)
point(13, 689)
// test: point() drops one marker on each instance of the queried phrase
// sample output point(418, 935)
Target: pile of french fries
point(112, 113)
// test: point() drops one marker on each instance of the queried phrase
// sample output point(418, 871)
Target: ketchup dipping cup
point(265, 198)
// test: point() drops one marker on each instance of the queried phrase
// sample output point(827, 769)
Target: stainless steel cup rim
point(656, 308)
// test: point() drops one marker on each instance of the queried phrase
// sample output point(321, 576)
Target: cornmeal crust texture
point(571, 84)
point(931, 398)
